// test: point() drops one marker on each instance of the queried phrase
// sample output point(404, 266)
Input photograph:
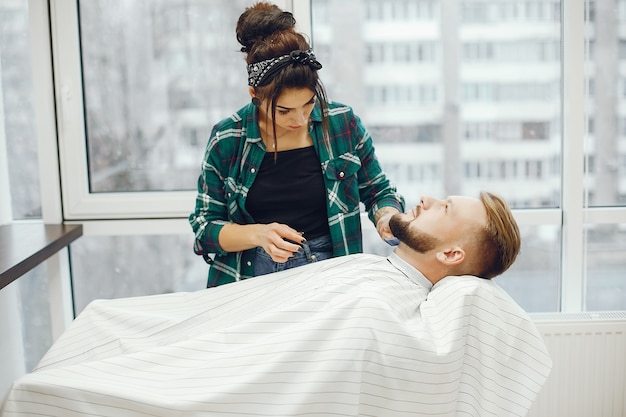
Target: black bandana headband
point(261, 73)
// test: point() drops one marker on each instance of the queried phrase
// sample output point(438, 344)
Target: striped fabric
point(349, 336)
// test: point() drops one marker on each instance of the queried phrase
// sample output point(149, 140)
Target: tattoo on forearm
point(381, 212)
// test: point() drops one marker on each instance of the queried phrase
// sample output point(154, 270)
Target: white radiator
point(588, 378)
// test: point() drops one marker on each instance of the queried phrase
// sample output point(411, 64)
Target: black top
point(291, 191)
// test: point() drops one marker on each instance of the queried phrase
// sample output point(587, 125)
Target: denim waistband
point(312, 250)
point(322, 243)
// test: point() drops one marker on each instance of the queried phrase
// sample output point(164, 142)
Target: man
point(405, 335)
point(458, 236)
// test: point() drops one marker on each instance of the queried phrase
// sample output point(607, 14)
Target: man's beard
point(418, 241)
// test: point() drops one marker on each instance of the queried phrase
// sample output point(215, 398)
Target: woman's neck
point(286, 139)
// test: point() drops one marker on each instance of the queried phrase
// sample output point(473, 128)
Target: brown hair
point(265, 31)
point(499, 241)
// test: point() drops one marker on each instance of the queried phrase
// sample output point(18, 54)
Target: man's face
point(435, 224)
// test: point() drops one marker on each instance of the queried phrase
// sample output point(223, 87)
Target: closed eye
point(285, 110)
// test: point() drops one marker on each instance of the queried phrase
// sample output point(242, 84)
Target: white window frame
point(78, 202)
point(166, 212)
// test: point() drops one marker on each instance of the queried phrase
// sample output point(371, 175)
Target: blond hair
point(499, 240)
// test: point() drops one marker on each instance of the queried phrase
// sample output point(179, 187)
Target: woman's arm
point(378, 193)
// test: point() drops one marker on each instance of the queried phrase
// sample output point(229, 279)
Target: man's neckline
point(408, 270)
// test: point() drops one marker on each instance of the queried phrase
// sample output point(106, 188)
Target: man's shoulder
point(472, 290)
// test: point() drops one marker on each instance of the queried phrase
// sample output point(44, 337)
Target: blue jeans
point(312, 251)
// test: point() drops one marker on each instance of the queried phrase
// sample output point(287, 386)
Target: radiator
point(588, 377)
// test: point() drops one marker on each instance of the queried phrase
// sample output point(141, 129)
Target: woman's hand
point(279, 240)
point(382, 217)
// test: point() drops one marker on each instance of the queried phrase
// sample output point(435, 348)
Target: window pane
point(26, 315)
point(35, 309)
point(16, 94)
point(606, 267)
point(157, 75)
point(136, 265)
point(606, 133)
point(605, 153)
point(459, 96)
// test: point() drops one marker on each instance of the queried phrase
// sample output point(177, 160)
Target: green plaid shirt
point(352, 174)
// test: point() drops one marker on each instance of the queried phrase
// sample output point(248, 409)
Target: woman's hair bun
point(261, 21)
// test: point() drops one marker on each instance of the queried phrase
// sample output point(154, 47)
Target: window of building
point(535, 130)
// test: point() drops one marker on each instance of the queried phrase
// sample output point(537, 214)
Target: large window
point(26, 300)
point(524, 98)
point(461, 97)
point(156, 76)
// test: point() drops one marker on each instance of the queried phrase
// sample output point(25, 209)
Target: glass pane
point(606, 118)
point(127, 266)
point(534, 279)
point(37, 324)
point(606, 267)
point(157, 75)
point(605, 152)
point(26, 320)
point(16, 99)
point(459, 95)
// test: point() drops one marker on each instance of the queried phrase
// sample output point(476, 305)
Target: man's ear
point(451, 256)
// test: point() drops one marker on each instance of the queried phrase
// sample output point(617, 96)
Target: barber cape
point(349, 336)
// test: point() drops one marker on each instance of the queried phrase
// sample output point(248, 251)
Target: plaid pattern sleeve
point(232, 156)
point(352, 175)
point(376, 190)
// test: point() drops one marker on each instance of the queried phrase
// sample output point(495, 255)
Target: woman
point(283, 177)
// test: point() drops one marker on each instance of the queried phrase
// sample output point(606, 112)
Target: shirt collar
point(408, 270)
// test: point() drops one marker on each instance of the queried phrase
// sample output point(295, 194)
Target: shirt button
point(313, 257)
point(341, 174)
point(249, 263)
point(253, 170)
point(229, 194)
